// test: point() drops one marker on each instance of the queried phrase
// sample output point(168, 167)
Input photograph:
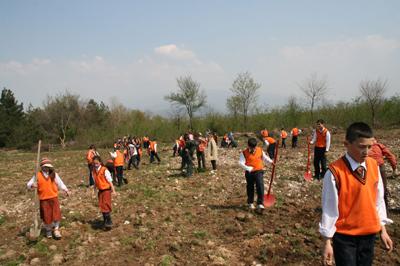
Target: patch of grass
point(251, 232)
point(128, 240)
point(150, 245)
point(166, 260)
point(41, 248)
point(200, 234)
point(16, 262)
point(2, 220)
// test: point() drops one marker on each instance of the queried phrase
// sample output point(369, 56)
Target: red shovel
point(269, 199)
point(307, 174)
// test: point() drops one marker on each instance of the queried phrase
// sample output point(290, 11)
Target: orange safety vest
point(47, 189)
point(283, 134)
point(357, 202)
point(100, 179)
point(295, 132)
point(270, 140)
point(321, 138)
point(264, 133)
point(255, 159)
point(119, 160)
point(89, 156)
point(152, 146)
point(202, 145)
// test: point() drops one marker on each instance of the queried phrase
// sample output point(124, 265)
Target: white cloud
point(174, 52)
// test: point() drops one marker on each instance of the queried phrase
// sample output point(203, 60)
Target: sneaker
point(260, 207)
point(49, 234)
point(57, 234)
point(251, 206)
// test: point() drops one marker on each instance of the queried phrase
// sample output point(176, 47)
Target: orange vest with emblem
point(255, 159)
point(321, 138)
point(100, 179)
point(295, 132)
point(47, 189)
point(270, 140)
point(283, 134)
point(119, 160)
point(357, 202)
point(202, 145)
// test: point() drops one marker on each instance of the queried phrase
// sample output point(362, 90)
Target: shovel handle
point(273, 167)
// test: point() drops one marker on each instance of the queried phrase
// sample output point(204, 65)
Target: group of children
point(354, 193)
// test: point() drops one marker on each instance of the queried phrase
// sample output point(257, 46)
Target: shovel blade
point(269, 200)
point(308, 176)
point(34, 231)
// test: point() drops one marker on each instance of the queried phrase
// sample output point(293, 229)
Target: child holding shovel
point(48, 182)
point(252, 161)
point(103, 182)
point(353, 208)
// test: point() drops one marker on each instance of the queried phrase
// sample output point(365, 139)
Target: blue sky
point(133, 51)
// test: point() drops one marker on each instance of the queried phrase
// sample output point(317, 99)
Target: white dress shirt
point(242, 161)
point(330, 209)
point(57, 179)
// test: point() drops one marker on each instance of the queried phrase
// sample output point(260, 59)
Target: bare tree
point(315, 89)
point(189, 96)
point(245, 93)
point(373, 91)
point(233, 104)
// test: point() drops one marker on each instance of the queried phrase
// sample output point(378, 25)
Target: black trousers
point(214, 164)
point(255, 178)
point(120, 174)
point(353, 250)
point(154, 155)
point(319, 162)
point(294, 141)
point(384, 181)
point(271, 150)
point(283, 143)
point(201, 159)
point(188, 164)
point(133, 161)
point(91, 180)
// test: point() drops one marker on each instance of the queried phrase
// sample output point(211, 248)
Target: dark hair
point(358, 130)
point(96, 157)
point(92, 146)
point(252, 142)
point(320, 121)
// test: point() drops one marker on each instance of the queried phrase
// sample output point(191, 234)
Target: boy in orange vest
point(200, 151)
point(295, 134)
point(153, 151)
point(252, 161)
point(353, 209)
point(270, 142)
point(118, 158)
point(89, 158)
point(48, 182)
point(380, 152)
point(322, 139)
point(103, 181)
point(284, 135)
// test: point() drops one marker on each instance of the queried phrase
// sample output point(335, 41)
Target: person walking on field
point(153, 151)
point(284, 135)
point(322, 139)
point(212, 151)
point(48, 182)
point(118, 158)
point(103, 180)
point(89, 158)
point(353, 208)
point(295, 134)
point(379, 152)
point(252, 161)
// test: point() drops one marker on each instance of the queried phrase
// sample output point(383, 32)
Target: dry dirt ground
point(162, 218)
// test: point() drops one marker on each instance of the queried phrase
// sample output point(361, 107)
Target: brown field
point(161, 218)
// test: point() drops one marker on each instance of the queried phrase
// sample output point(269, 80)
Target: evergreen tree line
point(68, 120)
